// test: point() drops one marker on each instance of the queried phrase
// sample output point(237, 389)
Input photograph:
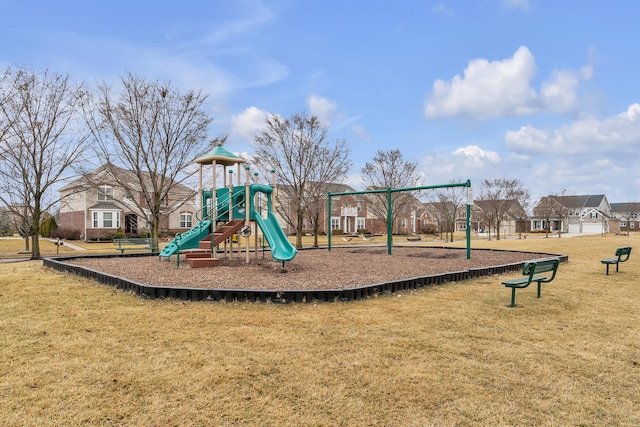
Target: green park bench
point(622, 254)
point(531, 271)
point(134, 244)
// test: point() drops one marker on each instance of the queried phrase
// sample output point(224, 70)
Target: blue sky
point(539, 90)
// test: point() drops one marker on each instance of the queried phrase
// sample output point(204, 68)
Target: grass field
point(78, 353)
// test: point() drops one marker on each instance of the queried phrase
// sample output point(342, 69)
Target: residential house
point(441, 215)
point(10, 222)
point(348, 212)
point(97, 206)
point(353, 213)
point(514, 217)
point(412, 216)
point(583, 214)
point(628, 214)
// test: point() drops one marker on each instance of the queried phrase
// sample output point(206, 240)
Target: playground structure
point(241, 210)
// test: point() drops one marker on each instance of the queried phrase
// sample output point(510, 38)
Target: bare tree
point(388, 169)
point(305, 163)
point(560, 211)
point(448, 202)
point(545, 209)
point(6, 225)
point(503, 198)
point(154, 130)
point(42, 138)
point(552, 210)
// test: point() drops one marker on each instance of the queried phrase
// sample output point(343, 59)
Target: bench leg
point(539, 286)
point(607, 269)
point(513, 297)
point(617, 267)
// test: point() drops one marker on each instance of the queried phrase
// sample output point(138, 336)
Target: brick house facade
point(628, 215)
point(96, 206)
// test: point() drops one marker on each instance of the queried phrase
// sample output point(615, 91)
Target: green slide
point(187, 240)
point(281, 247)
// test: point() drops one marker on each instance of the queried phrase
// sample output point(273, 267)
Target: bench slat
point(530, 271)
point(133, 243)
point(622, 255)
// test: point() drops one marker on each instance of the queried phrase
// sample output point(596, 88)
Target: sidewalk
point(69, 245)
point(7, 260)
point(27, 255)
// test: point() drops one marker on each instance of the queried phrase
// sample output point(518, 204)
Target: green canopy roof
point(221, 156)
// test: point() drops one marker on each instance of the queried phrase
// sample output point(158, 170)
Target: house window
point(105, 219)
point(105, 193)
point(403, 222)
point(304, 223)
point(594, 215)
point(623, 223)
point(335, 223)
point(360, 223)
point(186, 220)
point(632, 224)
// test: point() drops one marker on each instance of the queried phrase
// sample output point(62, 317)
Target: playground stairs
point(202, 256)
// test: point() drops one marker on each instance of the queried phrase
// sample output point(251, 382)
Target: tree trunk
point(299, 230)
point(155, 234)
point(35, 230)
point(316, 226)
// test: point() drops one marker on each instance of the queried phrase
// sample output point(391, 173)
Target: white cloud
point(470, 162)
point(361, 133)
point(323, 108)
point(253, 15)
point(248, 123)
point(587, 135)
point(441, 8)
point(516, 4)
point(583, 156)
point(503, 88)
point(476, 157)
point(487, 89)
point(559, 94)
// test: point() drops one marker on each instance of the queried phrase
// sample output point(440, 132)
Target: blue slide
point(281, 247)
point(188, 240)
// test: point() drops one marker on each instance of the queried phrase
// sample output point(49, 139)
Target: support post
point(329, 219)
point(469, 203)
point(389, 222)
point(247, 205)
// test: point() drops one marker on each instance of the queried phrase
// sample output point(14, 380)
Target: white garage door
point(592, 228)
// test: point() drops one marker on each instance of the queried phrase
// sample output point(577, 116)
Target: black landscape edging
point(277, 296)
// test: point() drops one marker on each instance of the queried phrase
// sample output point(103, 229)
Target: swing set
point(389, 191)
